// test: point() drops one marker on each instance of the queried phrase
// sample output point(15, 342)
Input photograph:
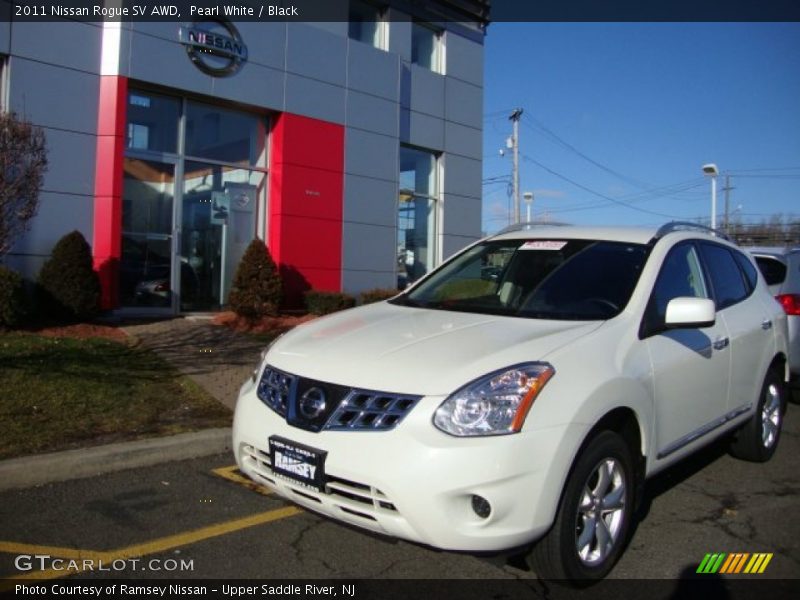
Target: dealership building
point(353, 149)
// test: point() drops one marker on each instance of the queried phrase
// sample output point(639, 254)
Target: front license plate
point(298, 462)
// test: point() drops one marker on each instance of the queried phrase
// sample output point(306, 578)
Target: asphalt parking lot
point(200, 519)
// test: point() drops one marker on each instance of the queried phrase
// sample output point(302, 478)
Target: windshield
point(539, 279)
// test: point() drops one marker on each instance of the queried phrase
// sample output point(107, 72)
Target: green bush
point(257, 288)
point(323, 303)
point(377, 294)
point(69, 288)
point(12, 298)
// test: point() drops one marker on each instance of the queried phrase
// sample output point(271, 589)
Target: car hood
point(391, 348)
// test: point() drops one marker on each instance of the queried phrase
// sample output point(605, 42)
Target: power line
point(595, 192)
point(541, 128)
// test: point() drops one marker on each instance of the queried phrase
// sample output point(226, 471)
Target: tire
point(592, 508)
point(757, 440)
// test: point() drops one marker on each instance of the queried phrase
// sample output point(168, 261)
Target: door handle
point(721, 343)
point(766, 324)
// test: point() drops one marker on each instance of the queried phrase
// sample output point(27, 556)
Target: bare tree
point(23, 162)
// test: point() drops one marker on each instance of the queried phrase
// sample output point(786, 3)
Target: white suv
point(522, 392)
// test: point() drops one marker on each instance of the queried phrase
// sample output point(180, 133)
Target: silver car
point(781, 270)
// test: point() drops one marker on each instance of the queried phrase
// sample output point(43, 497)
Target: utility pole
point(515, 116)
point(727, 189)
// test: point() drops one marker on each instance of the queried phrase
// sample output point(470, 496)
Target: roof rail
point(686, 226)
point(528, 225)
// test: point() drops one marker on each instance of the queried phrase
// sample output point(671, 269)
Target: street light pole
point(515, 117)
point(710, 170)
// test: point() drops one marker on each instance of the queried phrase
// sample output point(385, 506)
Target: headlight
point(496, 403)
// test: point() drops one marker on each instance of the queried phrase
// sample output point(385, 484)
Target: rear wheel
point(594, 514)
point(757, 440)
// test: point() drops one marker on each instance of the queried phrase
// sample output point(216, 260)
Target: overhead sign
point(214, 46)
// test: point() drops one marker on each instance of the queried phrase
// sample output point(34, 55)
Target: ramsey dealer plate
point(298, 462)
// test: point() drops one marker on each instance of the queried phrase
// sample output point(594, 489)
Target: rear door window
point(727, 279)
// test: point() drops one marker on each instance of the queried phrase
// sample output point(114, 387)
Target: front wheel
point(757, 440)
point(594, 514)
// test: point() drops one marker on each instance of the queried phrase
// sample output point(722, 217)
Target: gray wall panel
point(355, 282)
point(368, 200)
point(368, 247)
point(462, 216)
point(254, 84)
point(317, 54)
point(372, 71)
point(312, 98)
point(464, 59)
point(25, 265)
point(422, 130)
point(455, 243)
point(373, 114)
point(428, 92)
point(266, 42)
point(371, 155)
point(462, 176)
point(58, 215)
point(63, 43)
point(74, 108)
point(71, 162)
point(463, 102)
point(165, 63)
point(400, 36)
point(334, 27)
point(463, 140)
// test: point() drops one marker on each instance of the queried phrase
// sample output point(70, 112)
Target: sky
point(619, 119)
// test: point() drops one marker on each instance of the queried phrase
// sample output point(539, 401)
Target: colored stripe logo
point(735, 563)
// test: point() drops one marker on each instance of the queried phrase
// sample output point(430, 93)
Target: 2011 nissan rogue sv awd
point(481, 413)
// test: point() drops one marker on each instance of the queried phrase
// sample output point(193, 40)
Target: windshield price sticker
point(543, 245)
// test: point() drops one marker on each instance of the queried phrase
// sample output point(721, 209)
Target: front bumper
point(415, 482)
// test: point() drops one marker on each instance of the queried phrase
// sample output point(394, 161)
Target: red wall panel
point(107, 240)
point(305, 203)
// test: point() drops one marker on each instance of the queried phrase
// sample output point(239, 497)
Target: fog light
point(481, 506)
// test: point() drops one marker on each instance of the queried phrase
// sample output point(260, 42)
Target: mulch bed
point(81, 331)
point(277, 324)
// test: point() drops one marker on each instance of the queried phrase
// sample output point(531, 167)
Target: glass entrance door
point(218, 221)
point(145, 275)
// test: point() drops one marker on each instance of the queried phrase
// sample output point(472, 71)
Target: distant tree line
point(778, 230)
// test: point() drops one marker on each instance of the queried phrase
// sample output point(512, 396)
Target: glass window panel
point(147, 201)
point(225, 135)
point(158, 116)
point(220, 205)
point(425, 47)
point(418, 171)
point(415, 238)
point(366, 23)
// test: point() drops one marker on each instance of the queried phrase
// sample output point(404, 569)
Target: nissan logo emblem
point(214, 46)
point(312, 403)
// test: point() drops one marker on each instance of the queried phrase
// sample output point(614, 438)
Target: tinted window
point(774, 271)
point(726, 277)
point(540, 279)
point(750, 272)
point(681, 276)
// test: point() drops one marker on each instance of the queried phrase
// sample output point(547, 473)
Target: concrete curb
point(29, 471)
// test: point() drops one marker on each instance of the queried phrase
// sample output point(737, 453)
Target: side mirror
point(688, 312)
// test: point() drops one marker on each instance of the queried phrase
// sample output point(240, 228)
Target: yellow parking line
point(204, 533)
point(232, 474)
point(154, 546)
point(138, 550)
